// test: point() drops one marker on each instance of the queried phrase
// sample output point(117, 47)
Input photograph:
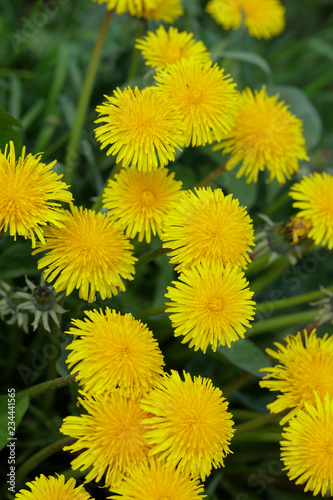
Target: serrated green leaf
point(246, 355)
point(21, 406)
point(245, 56)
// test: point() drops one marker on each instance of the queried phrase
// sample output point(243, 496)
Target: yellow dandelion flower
point(206, 225)
point(160, 10)
point(263, 19)
point(167, 47)
point(190, 426)
point(303, 368)
point(141, 128)
point(211, 305)
point(139, 201)
point(110, 438)
point(204, 96)
point(297, 228)
point(55, 488)
point(111, 350)
point(30, 195)
point(89, 253)
point(307, 447)
point(265, 134)
point(313, 197)
point(153, 480)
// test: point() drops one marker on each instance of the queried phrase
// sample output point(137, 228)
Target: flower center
point(195, 97)
point(147, 198)
point(215, 305)
point(173, 54)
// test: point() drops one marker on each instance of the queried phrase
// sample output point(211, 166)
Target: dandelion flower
point(110, 438)
point(313, 196)
point(139, 201)
point(204, 96)
point(30, 195)
point(55, 488)
point(303, 367)
point(206, 225)
point(263, 19)
point(265, 134)
point(167, 47)
point(190, 426)
point(160, 10)
point(211, 305)
point(89, 253)
point(153, 480)
point(111, 350)
point(307, 447)
point(141, 128)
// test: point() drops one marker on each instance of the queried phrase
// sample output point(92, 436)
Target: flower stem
point(212, 176)
point(151, 255)
point(279, 322)
point(271, 274)
point(291, 301)
point(153, 311)
point(38, 389)
point(71, 155)
point(256, 423)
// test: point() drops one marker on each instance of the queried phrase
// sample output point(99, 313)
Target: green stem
point(256, 423)
point(151, 255)
point(291, 301)
point(256, 265)
point(236, 384)
point(38, 389)
point(84, 99)
point(280, 322)
point(40, 456)
point(52, 369)
point(270, 276)
point(212, 176)
point(153, 311)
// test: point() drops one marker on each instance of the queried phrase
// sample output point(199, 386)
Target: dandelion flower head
point(141, 128)
point(160, 10)
point(31, 195)
point(265, 134)
point(55, 488)
point(306, 450)
point(89, 253)
point(111, 350)
point(110, 437)
point(189, 425)
point(263, 19)
point(153, 480)
point(211, 305)
point(206, 225)
point(304, 367)
point(167, 47)
point(313, 197)
point(205, 98)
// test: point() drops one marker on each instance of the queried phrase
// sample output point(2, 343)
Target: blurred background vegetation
point(45, 50)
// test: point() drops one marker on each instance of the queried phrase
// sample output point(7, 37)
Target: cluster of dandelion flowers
point(139, 201)
point(263, 19)
point(207, 225)
point(45, 488)
point(189, 425)
point(265, 134)
point(31, 195)
point(90, 253)
point(304, 367)
point(167, 47)
point(140, 127)
point(160, 10)
point(306, 450)
point(154, 480)
point(110, 437)
point(205, 98)
point(111, 350)
point(313, 197)
point(211, 305)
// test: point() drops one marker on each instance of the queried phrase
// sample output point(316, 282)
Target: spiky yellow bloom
point(206, 225)
point(307, 447)
point(313, 197)
point(111, 350)
point(160, 10)
point(31, 193)
point(265, 134)
point(303, 368)
point(89, 253)
point(110, 438)
point(211, 305)
point(297, 228)
point(190, 426)
point(205, 98)
point(153, 480)
point(139, 201)
point(263, 19)
point(141, 128)
point(167, 47)
point(55, 488)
